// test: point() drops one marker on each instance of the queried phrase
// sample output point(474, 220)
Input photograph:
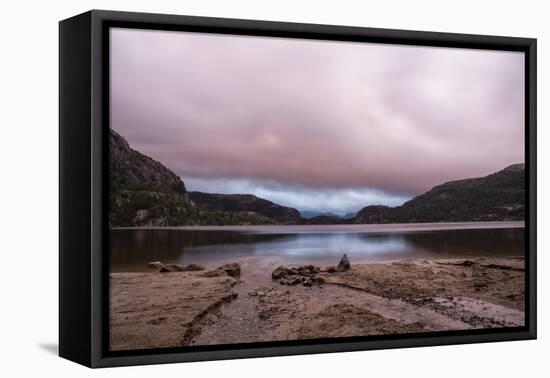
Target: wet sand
point(375, 298)
point(158, 310)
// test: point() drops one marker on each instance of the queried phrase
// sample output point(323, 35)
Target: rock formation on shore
point(230, 269)
point(344, 265)
point(307, 275)
point(213, 307)
point(304, 274)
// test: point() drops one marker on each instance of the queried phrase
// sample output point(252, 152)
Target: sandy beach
point(155, 310)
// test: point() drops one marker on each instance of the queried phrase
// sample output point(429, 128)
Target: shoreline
point(351, 228)
point(403, 296)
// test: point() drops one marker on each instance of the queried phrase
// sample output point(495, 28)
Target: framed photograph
point(235, 188)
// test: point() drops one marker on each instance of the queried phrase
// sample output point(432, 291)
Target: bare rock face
point(143, 190)
point(233, 269)
point(344, 265)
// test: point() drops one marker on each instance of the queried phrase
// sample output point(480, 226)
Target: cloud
point(337, 201)
point(317, 115)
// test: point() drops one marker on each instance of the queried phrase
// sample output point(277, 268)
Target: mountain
point(143, 192)
point(375, 214)
point(350, 215)
point(310, 214)
point(497, 197)
point(246, 203)
point(324, 219)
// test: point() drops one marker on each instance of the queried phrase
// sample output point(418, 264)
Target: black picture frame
point(83, 154)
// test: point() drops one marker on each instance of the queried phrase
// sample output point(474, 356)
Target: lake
point(133, 248)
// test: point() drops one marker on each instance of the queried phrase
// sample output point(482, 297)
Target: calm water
point(132, 249)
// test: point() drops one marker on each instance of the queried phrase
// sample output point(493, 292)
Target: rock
point(233, 269)
point(304, 274)
point(164, 270)
point(291, 281)
point(480, 284)
point(344, 265)
point(313, 280)
point(331, 269)
point(467, 263)
point(174, 267)
point(181, 268)
point(279, 272)
point(193, 268)
point(214, 273)
point(308, 270)
point(155, 264)
point(292, 271)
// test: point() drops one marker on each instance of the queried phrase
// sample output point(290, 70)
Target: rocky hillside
point(132, 170)
point(246, 203)
point(375, 214)
point(143, 192)
point(497, 197)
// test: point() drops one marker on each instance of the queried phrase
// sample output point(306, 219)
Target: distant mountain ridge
point(350, 215)
point(247, 203)
point(311, 214)
point(499, 196)
point(143, 192)
point(325, 219)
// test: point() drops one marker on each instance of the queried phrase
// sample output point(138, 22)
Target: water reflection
point(131, 249)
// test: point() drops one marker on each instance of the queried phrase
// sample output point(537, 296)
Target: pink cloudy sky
point(316, 125)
